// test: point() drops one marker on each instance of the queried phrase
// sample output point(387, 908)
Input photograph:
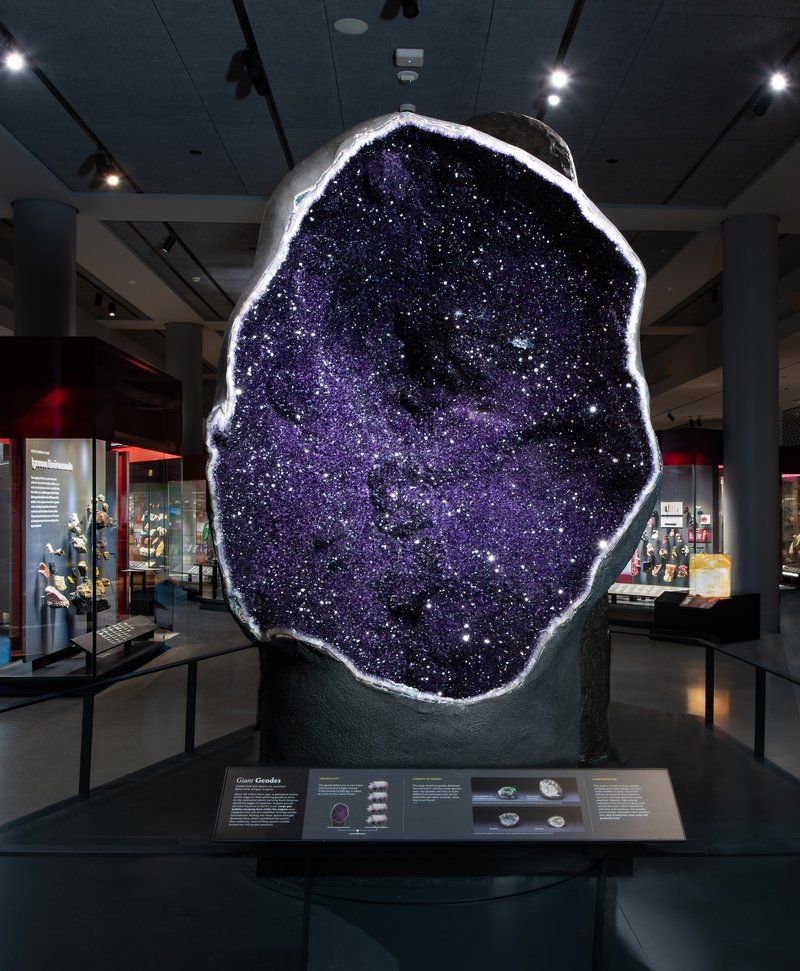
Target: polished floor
point(135, 863)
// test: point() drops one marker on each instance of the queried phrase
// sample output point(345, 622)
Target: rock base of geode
point(315, 712)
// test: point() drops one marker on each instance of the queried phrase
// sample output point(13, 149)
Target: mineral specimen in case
point(431, 442)
point(557, 822)
point(507, 792)
point(508, 819)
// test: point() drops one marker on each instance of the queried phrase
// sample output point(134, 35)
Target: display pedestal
point(314, 711)
point(726, 621)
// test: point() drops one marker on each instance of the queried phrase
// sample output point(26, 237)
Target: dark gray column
point(44, 268)
point(185, 361)
point(750, 379)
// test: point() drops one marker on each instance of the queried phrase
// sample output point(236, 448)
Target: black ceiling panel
point(212, 283)
point(655, 248)
point(87, 287)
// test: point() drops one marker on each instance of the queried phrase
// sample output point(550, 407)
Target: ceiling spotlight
point(98, 299)
point(554, 99)
point(778, 81)
point(106, 172)
point(699, 422)
point(410, 9)
point(14, 60)
point(670, 416)
point(351, 25)
point(691, 423)
point(559, 78)
point(168, 243)
point(112, 309)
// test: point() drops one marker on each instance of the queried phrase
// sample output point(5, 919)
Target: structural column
point(750, 381)
point(44, 268)
point(185, 361)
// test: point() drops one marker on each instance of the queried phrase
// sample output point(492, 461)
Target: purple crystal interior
point(339, 813)
point(434, 420)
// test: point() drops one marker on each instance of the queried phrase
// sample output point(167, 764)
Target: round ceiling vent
point(351, 25)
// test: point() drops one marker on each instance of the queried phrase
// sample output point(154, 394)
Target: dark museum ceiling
point(658, 113)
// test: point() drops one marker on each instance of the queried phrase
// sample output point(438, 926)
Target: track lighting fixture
point(106, 171)
point(553, 100)
point(13, 59)
point(98, 298)
point(670, 416)
point(168, 243)
point(410, 9)
point(699, 422)
point(691, 423)
point(559, 78)
point(112, 309)
point(778, 81)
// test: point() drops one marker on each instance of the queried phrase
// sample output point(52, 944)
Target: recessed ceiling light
point(559, 78)
point(612, 161)
point(195, 151)
point(112, 309)
point(554, 99)
point(14, 61)
point(778, 81)
point(351, 25)
point(196, 279)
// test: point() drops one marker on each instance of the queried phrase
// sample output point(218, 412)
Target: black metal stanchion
point(710, 657)
point(191, 706)
point(87, 725)
point(760, 728)
point(306, 927)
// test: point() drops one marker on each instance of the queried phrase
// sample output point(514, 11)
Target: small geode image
point(557, 822)
point(377, 819)
point(508, 819)
point(380, 795)
point(377, 784)
point(507, 792)
point(340, 814)
point(550, 789)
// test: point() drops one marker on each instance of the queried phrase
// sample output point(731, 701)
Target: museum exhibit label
point(431, 448)
point(292, 805)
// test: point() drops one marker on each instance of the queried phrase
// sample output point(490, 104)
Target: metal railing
point(89, 692)
point(761, 670)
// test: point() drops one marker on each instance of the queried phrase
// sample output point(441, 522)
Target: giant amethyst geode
point(433, 436)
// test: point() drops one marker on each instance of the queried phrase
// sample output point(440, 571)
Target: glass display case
point(91, 441)
point(197, 552)
point(790, 513)
point(686, 517)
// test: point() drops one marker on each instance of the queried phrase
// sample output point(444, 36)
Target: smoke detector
point(409, 57)
point(407, 77)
